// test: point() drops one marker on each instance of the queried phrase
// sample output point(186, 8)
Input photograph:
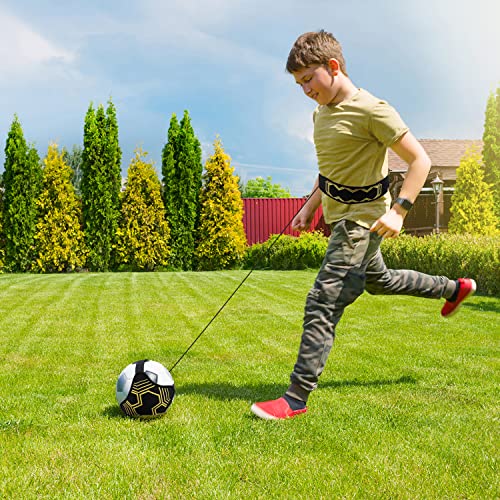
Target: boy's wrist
point(399, 210)
point(404, 203)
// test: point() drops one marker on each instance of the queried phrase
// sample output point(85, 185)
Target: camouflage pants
point(353, 263)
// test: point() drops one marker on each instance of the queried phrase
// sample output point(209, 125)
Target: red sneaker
point(466, 288)
point(275, 410)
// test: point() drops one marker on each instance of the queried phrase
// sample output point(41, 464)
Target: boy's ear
point(334, 66)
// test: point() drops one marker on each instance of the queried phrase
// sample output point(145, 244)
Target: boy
point(352, 131)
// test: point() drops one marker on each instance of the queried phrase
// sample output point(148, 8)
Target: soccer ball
point(145, 389)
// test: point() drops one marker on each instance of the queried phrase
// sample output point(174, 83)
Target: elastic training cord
point(241, 284)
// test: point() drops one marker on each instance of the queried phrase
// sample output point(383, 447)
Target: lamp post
point(437, 187)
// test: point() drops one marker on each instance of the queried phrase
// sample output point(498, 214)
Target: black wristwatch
point(405, 203)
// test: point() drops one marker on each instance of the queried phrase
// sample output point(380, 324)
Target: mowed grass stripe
point(41, 317)
point(407, 406)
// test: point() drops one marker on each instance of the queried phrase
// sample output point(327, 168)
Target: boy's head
point(315, 48)
point(317, 64)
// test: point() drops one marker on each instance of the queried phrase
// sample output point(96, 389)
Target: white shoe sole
point(261, 413)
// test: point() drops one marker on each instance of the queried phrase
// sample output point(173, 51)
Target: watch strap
point(405, 203)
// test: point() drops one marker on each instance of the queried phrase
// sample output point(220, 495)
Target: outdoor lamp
point(437, 187)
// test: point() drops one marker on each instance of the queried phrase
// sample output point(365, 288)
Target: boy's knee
point(341, 293)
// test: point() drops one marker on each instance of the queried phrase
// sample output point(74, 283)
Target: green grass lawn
point(407, 406)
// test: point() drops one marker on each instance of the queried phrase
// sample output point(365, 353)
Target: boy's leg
point(340, 281)
point(381, 280)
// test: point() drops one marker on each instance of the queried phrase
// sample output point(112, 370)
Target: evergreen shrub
point(143, 232)
point(221, 236)
point(59, 239)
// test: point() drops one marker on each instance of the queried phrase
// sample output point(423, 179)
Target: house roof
point(444, 153)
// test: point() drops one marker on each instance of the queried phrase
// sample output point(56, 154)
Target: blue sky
point(436, 61)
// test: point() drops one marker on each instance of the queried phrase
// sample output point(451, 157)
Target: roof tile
point(442, 152)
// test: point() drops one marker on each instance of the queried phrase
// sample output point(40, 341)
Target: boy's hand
point(302, 221)
point(389, 225)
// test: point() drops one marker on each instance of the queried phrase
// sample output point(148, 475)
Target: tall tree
point(195, 166)
point(168, 168)
point(221, 236)
point(143, 231)
point(100, 186)
point(59, 236)
point(113, 154)
point(472, 209)
point(113, 161)
point(22, 180)
point(491, 148)
point(182, 170)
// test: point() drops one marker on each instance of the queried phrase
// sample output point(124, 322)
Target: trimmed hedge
point(288, 252)
point(450, 255)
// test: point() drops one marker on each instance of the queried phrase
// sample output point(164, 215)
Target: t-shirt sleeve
point(315, 112)
point(386, 124)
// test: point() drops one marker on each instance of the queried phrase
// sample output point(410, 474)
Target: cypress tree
point(100, 186)
point(22, 180)
point(491, 149)
point(221, 236)
point(143, 232)
point(59, 236)
point(169, 158)
point(113, 162)
point(91, 187)
point(193, 147)
point(181, 169)
point(472, 209)
point(189, 182)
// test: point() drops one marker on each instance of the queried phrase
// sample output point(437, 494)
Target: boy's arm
point(419, 164)
point(303, 219)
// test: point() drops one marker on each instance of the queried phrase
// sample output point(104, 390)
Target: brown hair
point(315, 47)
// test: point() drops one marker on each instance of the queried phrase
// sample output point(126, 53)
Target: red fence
point(265, 216)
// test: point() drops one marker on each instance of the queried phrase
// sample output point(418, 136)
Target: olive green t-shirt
point(351, 140)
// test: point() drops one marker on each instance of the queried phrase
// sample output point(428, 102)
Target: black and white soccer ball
point(145, 389)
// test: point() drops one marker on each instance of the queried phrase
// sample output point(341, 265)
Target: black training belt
point(353, 194)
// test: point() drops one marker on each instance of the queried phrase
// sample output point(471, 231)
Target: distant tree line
point(70, 212)
point(263, 188)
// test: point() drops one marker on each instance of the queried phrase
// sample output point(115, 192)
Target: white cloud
point(291, 113)
point(202, 31)
point(22, 50)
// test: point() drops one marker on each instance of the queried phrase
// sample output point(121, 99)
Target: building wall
point(421, 219)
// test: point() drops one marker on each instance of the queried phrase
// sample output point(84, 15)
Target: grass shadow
point(114, 411)
point(227, 391)
point(483, 305)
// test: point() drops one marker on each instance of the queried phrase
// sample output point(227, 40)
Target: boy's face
point(318, 82)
